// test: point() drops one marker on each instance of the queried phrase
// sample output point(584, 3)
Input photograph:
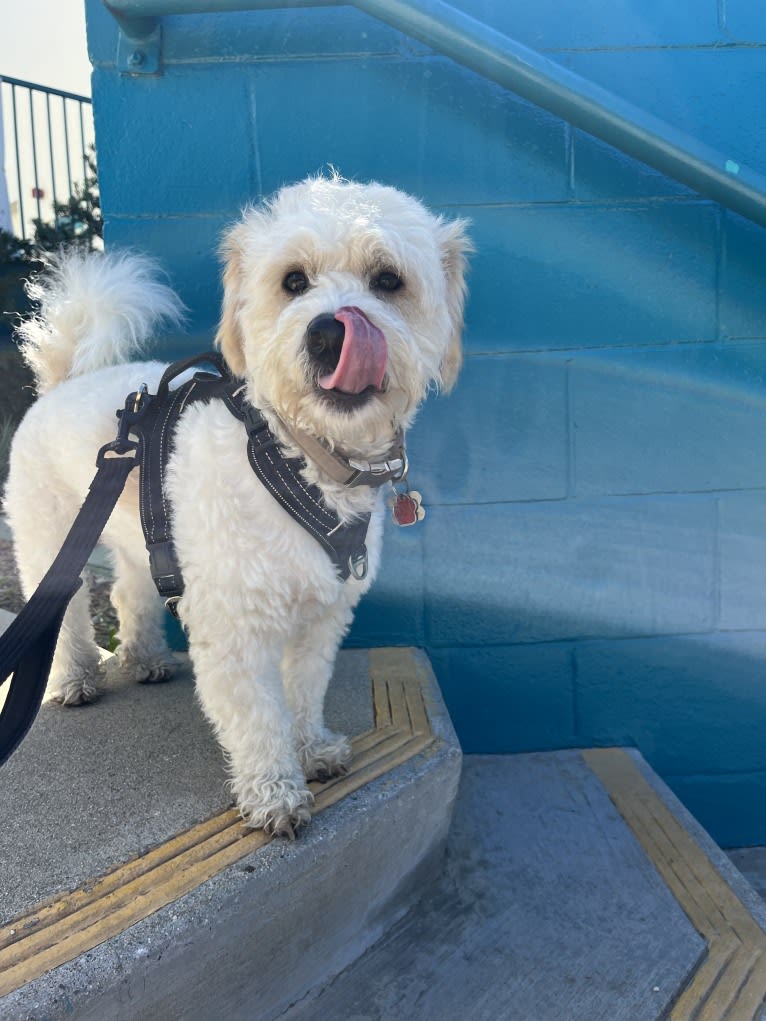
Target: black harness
point(154, 417)
point(145, 437)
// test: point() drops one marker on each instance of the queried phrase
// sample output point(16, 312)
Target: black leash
point(28, 644)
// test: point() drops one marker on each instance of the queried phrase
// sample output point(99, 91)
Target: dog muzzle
point(363, 354)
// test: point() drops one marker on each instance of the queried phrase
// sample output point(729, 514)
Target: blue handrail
point(482, 49)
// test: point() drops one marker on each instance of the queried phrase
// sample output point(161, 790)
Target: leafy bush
point(76, 221)
point(16, 395)
point(7, 429)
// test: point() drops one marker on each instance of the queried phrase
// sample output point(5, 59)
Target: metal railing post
point(36, 190)
point(50, 147)
point(16, 150)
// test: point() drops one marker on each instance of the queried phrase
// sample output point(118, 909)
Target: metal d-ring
point(140, 393)
point(357, 563)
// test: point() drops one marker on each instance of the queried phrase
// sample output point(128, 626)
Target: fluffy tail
point(95, 310)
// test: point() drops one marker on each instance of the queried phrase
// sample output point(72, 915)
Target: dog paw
point(288, 824)
point(73, 691)
point(143, 668)
point(279, 808)
point(325, 757)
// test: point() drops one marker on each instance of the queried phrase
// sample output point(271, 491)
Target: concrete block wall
point(592, 568)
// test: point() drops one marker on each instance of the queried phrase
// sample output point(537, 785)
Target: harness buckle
point(357, 563)
point(171, 605)
point(136, 404)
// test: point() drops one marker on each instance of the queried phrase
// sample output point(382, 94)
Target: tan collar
point(353, 471)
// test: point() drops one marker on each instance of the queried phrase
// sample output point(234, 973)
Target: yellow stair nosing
point(60, 929)
point(732, 977)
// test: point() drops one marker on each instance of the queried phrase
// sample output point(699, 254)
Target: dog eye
point(296, 282)
point(386, 281)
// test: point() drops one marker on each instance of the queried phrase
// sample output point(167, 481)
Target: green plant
point(16, 383)
point(7, 429)
point(16, 395)
point(15, 250)
point(78, 220)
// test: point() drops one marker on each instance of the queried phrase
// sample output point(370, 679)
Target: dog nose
point(324, 339)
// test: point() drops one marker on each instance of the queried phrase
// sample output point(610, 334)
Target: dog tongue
point(363, 356)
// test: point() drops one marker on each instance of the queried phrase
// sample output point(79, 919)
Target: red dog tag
point(407, 509)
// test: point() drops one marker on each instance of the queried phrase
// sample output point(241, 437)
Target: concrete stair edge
point(318, 904)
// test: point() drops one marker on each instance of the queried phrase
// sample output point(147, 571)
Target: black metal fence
point(46, 138)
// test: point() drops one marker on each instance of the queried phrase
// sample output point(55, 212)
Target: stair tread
point(550, 907)
point(97, 785)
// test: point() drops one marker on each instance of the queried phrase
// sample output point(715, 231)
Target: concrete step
point(576, 888)
point(130, 889)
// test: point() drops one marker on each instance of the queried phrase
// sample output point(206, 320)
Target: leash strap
point(28, 644)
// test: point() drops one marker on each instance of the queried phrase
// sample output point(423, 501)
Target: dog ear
point(455, 247)
point(229, 337)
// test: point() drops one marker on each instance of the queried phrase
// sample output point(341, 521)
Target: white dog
point(264, 607)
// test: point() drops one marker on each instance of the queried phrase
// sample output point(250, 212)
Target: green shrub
point(7, 429)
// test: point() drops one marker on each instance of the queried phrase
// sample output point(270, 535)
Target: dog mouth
point(348, 355)
point(342, 401)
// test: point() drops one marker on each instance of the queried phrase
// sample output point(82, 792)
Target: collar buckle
point(381, 471)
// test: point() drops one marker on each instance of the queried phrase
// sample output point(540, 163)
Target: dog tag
point(407, 508)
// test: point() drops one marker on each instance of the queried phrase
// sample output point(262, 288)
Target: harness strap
point(157, 429)
point(344, 542)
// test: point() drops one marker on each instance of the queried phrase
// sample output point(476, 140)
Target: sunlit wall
point(592, 568)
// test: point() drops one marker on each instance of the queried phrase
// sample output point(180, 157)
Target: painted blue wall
point(593, 565)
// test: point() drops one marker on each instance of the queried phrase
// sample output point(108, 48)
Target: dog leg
point(77, 674)
point(241, 693)
point(143, 652)
point(307, 667)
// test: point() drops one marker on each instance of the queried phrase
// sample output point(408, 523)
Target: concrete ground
point(575, 887)
point(751, 861)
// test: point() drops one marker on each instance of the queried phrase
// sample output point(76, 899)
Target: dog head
point(343, 303)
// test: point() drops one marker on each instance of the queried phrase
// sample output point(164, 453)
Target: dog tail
point(95, 310)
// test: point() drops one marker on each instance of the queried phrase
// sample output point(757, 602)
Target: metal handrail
point(45, 88)
point(528, 74)
point(26, 136)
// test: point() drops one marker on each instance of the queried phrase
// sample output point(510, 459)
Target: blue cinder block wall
point(593, 565)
